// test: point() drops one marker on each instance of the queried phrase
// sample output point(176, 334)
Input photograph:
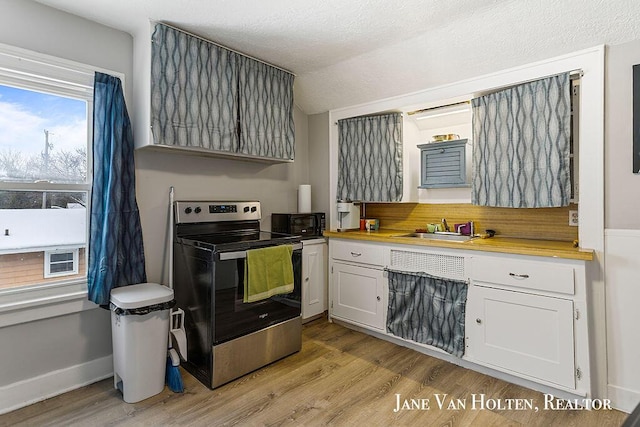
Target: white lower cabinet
point(522, 333)
point(358, 294)
point(525, 316)
point(314, 278)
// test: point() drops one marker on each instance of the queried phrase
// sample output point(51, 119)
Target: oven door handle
point(225, 256)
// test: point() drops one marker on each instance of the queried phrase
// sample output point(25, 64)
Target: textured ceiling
point(350, 52)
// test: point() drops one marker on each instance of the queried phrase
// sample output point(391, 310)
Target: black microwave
point(301, 224)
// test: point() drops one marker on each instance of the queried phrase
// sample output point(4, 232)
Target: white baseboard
point(623, 399)
point(32, 390)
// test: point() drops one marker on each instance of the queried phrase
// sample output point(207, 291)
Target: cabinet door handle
point(478, 321)
point(519, 276)
point(378, 298)
point(306, 279)
point(356, 254)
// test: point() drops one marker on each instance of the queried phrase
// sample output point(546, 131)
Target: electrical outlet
point(573, 218)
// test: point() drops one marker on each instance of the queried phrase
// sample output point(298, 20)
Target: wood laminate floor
point(341, 378)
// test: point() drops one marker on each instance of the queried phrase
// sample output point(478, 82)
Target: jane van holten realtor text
point(444, 402)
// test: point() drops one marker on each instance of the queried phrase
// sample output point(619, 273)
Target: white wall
point(622, 254)
point(623, 293)
point(44, 356)
point(622, 186)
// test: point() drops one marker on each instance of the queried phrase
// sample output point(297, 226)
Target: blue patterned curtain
point(370, 158)
point(194, 92)
point(266, 110)
point(116, 254)
point(521, 145)
point(428, 310)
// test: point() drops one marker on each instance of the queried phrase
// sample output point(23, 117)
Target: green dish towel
point(268, 272)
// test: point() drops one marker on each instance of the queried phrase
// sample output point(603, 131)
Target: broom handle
point(171, 231)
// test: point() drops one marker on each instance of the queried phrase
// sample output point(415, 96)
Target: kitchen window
point(46, 110)
point(43, 170)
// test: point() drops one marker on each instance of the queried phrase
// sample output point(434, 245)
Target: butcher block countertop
point(507, 245)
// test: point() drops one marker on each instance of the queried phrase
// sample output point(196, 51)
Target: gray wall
point(52, 344)
point(319, 163)
point(203, 178)
point(30, 25)
point(622, 187)
point(37, 348)
point(34, 348)
point(74, 339)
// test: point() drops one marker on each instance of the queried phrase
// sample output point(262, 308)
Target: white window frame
point(48, 263)
point(36, 71)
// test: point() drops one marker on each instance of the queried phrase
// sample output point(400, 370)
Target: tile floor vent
point(450, 266)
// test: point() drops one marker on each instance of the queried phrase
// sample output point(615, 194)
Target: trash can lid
point(141, 295)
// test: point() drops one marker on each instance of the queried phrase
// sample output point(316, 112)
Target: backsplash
point(540, 223)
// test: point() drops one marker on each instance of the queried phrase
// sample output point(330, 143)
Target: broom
point(172, 377)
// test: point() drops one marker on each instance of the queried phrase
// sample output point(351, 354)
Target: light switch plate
point(573, 218)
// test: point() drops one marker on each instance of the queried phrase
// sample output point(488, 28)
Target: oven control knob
point(253, 209)
point(187, 210)
point(197, 210)
point(246, 209)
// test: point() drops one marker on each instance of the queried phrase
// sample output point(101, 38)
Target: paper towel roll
point(344, 207)
point(304, 198)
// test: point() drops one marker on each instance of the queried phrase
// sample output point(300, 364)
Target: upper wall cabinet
point(370, 158)
point(522, 145)
point(213, 101)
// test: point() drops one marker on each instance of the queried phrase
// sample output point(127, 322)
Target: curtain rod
point(573, 75)
point(438, 107)
point(365, 116)
point(224, 47)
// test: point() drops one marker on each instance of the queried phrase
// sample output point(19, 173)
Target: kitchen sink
point(453, 237)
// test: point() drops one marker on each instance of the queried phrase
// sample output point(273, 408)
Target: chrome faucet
point(471, 228)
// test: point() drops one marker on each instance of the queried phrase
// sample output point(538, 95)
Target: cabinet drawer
point(358, 252)
point(524, 274)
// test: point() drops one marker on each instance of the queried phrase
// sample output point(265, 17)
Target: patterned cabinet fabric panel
point(206, 97)
point(370, 158)
point(266, 110)
point(194, 92)
point(427, 309)
point(522, 144)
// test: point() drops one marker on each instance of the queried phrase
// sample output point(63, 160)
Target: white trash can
point(140, 330)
